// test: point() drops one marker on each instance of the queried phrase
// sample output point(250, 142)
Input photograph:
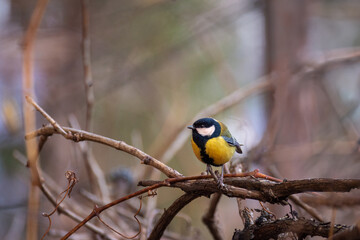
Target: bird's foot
point(222, 187)
point(209, 170)
point(220, 182)
point(218, 178)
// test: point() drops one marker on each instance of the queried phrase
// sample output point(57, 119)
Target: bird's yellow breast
point(219, 150)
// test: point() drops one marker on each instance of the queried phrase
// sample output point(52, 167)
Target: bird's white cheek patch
point(206, 131)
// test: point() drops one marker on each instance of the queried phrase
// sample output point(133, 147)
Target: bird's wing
point(232, 142)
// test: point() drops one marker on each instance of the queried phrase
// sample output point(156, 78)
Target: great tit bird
point(213, 144)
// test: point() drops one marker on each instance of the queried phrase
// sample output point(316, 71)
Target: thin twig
point(96, 175)
point(98, 210)
point(72, 180)
point(29, 118)
point(47, 116)
point(86, 57)
point(73, 215)
point(332, 59)
point(79, 135)
point(267, 210)
point(117, 232)
point(125, 212)
point(45, 188)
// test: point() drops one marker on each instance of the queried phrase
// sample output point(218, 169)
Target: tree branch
point(96, 175)
point(352, 233)
point(79, 135)
point(302, 227)
point(97, 210)
point(334, 58)
point(169, 214)
point(62, 208)
point(30, 119)
point(264, 191)
point(73, 215)
point(58, 128)
point(167, 182)
point(209, 218)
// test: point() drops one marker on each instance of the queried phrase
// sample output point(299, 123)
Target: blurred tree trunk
point(285, 32)
point(285, 38)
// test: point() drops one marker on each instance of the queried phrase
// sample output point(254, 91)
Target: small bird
point(213, 144)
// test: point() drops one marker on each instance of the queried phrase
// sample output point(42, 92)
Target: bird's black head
point(206, 127)
point(204, 123)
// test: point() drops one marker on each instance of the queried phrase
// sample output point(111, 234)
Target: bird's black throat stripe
point(200, 141)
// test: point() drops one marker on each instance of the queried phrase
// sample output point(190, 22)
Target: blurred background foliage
point(155, 65)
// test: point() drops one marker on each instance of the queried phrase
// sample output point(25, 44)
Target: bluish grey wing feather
point(232, 141)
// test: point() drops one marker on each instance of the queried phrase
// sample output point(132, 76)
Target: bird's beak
point(191, 127)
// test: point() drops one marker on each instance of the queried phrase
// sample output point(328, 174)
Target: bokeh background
point(158, 63)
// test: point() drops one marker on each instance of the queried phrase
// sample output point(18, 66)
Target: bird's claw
point(218, 178)
point(221, 185)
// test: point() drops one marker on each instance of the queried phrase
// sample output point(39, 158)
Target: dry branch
point(73, 215)
point(301, 227)
point(333, 59)
point(167, 182)
point(210, 220)
point(169, 214)
point(79, 135)
point(264, 191)
point(95, 173)
point(63, 209)
point(97, 210)
point(352, 233)
point(58, 128)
